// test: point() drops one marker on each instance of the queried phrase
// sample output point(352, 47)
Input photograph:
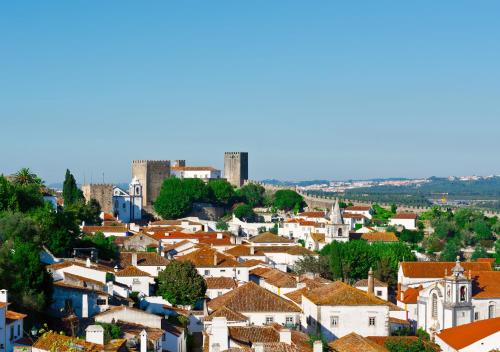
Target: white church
point(127, 206)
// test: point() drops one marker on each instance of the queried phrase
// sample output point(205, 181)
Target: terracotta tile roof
point(438, 269)
point(71, 262)
point(208, 257)
point(81, 278)
point(242, 250)
point(364, 283)
point(317, 237)
point(410, 296)
point(405, 216)
point(220, 283)
point(229, 314)
point(293, 250)
point(301, 222)
point(131, 271)
point(313, 214)
point(486, 260)
point(358, 208)
point(109, 217)
point(355, 343)
point(250, 297)
point(341, 294)
point(353, 216)
point(143, 259)
point(11, 316)
point(485, 284)
point(398, 321)
point(296, 295)
point(3, 304)
point(379, 237)
point(128, 328)
point(276, 277)
point(92, 229)
point(462, 336)
point(268, 237)
point(56, 342)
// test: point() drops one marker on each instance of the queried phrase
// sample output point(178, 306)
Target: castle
point(236, 168)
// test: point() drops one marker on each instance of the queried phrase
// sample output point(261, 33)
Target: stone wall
point(236, 168)
point(150, 174)
point(102, 193)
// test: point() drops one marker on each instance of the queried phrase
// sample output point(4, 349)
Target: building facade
point(127, 206)
point(150, 174)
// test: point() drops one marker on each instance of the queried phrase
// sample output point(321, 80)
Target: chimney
point(115, 269)
point(318, 346)
point(4, 296)
point(109, 287)
point(258, 347)
point(144, 341)
point(94, 334)
point(205, 307)
point(215, 259)
point(134, 259)
point(252, 250)
point(370, 282)
point(286, 336)
point(219, 235)
point(87, 263)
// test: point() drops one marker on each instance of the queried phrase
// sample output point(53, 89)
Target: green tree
point(180, 283)
point(497, 251)
point(287, 200)
point(90, 212)
point(245, 212)
point(394, 208)
point(410, 236)
point(221, 191)
point(252, 194)
point(25, 177)
point(400, 345)
point(450, 251)
point(479, 252)
point(311, 264)
point(71, 192)
point(173, 201)
point(196, 189)
point(221, 225)
point(105, 245)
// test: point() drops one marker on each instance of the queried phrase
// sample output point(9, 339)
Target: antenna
point(103, 177)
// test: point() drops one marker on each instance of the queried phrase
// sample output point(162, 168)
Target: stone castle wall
point(151, 174)
point(102, 193)
point(236, 167)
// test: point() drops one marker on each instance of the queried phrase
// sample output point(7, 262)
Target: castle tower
point(150, 174)
point(236, 167)
point(458, 308)
point(102, 193)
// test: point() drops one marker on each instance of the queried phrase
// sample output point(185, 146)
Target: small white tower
point(458, 308)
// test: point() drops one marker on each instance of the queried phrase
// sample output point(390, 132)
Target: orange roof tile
point(355, 343)
point(276, 277)
point(485, 284)
point(358, 208)
point(379, 237)
point(438, 269)
point(364, 283)
point(131, 271)
point(405, 216)
point(143, 259)
point(220, 283)
point(269, 237)
point(462, 336)
point(341, 294)
point(229, 314)
point(313, 214)
point(410, 296)
point(209, 257)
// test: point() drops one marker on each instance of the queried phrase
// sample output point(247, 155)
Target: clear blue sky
point(311, 89)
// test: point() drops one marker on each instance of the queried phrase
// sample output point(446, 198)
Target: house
point(315, 241)
point(135, 279)
point(212, 263)
point(183, 225)
point(355, 221)
point(84, 302)
point(139, 242)
point(217, 286)
point(299, 228)
point(338, 309)
point(88, 270)
point(150, 262)
point(11, 324)
point(272, 338)
point(275, 280)
point(407, 300)
point(270, 239)
point(364, 210)
point(314, 216)
point(353, 342)
point(259, 305)
point(136, 324)
point(407, 220)
point(94, 342)
point(178, 248)
point(478, 336)
point(384, 237)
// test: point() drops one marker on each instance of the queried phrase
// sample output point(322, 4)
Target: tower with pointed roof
point(336, 229)
point(457, 305)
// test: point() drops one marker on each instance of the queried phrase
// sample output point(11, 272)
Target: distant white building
point(203, 172)
point(127, 206)
point(408, 220)
point(364, 210)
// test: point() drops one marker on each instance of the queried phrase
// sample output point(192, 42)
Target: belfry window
point(434, 306)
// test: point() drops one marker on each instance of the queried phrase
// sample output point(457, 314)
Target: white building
point(203, 172)
point(127, 206)
point(364, 210)
point(11, 324)
point(218, 286)
point(479, 336)
point(407, 220)
point(338, 309)
point(136, 280)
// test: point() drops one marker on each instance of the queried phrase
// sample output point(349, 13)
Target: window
point(101, 302)
point(18, 330)
point(207, 272)
point(476, 316)
point(124, 205)
point(269, 320)
point(339, 232)
point(12, 332)
point(463, 293)
point(219, 293)
point(223, 270)
point(434, 306)
point(371, 321)
point(334, 321)
point(491, 311)
point(289, 320)
point(379, 293)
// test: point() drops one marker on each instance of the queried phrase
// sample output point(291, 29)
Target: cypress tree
point(71, 192)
